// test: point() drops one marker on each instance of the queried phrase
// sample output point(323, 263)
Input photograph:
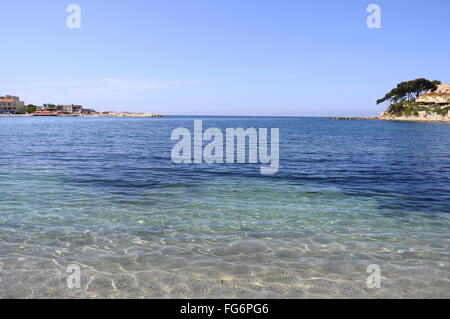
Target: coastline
point(414, 120)
point(434, 119)
point(115, 114)
point(417, 118)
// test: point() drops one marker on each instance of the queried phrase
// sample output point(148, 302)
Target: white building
point(11, 105)
point(440, 97)
point(72, 109)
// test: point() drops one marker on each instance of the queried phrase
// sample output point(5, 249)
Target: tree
point(409, 91)
point(30, 108)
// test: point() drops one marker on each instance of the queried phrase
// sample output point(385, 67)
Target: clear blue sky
point(221, 57)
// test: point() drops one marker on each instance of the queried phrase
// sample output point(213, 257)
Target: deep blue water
point(104, 193)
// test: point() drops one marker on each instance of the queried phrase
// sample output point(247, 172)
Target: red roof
point(434, 94)
point(4, 100)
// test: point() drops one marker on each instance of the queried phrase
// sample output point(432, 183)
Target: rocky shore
point(124, 114)
point(355, 118)
point(422, 117)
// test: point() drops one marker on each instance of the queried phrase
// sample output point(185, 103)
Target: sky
point(221, 57)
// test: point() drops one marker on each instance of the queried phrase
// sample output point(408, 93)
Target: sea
point(97, 208)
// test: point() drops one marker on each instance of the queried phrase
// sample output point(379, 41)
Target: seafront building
point(11, 105)
point(432, 106)
point(440, 97)
point(72, 109)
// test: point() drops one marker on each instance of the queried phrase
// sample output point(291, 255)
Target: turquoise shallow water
point(103, 193)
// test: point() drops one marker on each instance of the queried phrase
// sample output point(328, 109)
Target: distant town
point(12, 105)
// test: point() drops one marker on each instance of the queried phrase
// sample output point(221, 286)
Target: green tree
point(405, 94)
point(30, 108)
point(408, 91)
